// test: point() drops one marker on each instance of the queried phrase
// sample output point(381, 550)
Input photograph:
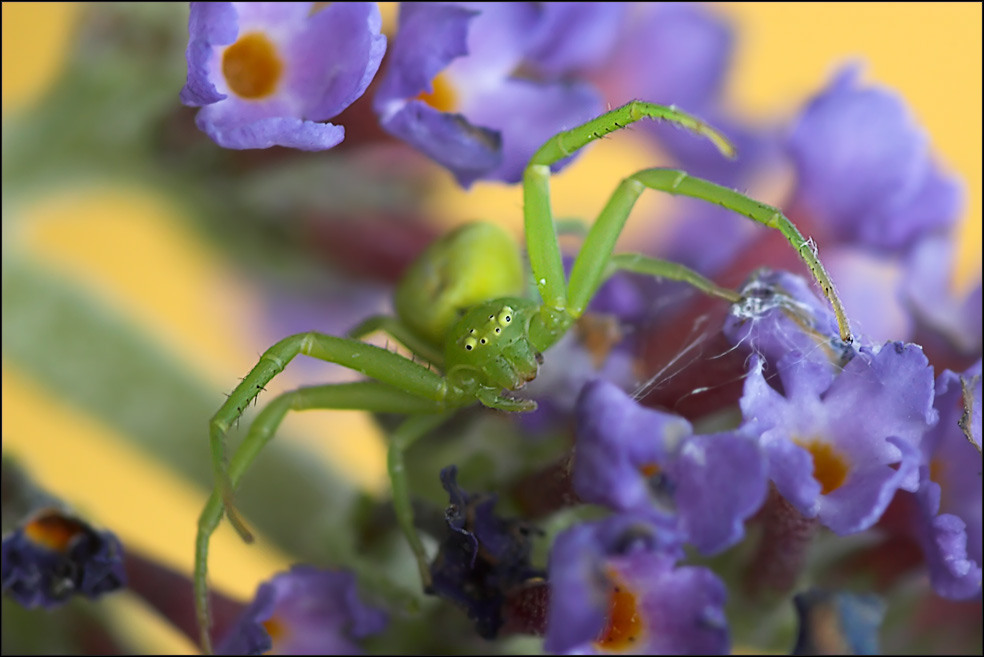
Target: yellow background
point(184, 296)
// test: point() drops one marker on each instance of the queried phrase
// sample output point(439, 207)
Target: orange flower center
point(444, 98)
point(624, 627)
point(251, 67)
point(829, 466)
point(275, 628)
point(53, 530)
point(650, 470)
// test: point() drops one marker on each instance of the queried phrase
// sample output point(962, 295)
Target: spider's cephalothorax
point(489, 346)
point(459, 308)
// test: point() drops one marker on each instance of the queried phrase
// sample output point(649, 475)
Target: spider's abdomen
point(470, 265)
point(489, 346)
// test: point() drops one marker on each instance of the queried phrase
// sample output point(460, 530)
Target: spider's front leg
point(593, 263)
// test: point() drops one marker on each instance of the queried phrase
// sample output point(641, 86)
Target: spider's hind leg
point(370, 396)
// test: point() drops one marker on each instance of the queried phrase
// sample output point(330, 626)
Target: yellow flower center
point(624, 627)
point(251, 67)
point(53, 530)
point(829, 466)
point(444, 98)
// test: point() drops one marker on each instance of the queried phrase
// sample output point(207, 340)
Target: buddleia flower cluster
point(699, 477)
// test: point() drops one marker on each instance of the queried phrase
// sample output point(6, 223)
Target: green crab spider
point(460, 308)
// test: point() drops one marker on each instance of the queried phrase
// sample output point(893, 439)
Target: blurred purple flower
point(482, 559)
point(628, 457)
point(670, 54)
point(450, 89)
point(305, 611)
point(839, 445)
point(615, 588)
point(931, 299)
point(267, 74)
point(949, 525)
point(53, 556)
point(865, 173)
point(575, 37)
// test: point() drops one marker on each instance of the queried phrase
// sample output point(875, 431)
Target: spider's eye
point(483, 341)
point(470, 343)
point(505, 316)
point(498, 330)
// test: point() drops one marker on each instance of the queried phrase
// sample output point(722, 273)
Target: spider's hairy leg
point(364, 395)
point(589, 268)
point(541, 237)
point(370, 360)
point(680, 183)
point(399, 330)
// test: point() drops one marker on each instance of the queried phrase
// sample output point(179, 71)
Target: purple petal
point(430, 37)
point(860, 502)
point(468, 151)
point(575, 36)
point(791, 469)
point(267, 132)
point(949, 526)
point(888, 392)
point(944, 539)
point(686, 50)
point(497, 41)
point(720, 482)
point(682, 609)
point(527, 114)
point(209, 24)
point(580, 586)
point(321, 77)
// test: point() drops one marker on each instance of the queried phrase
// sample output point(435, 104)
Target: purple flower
point(629, 457)
point(53, 556)
point(483, 557)
point(450, 91)
point(269, 74)
point(838, 623)
point(949, 496)
point(839, 445)
point(304, 611)
point(865, 173)
point(615, 588)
